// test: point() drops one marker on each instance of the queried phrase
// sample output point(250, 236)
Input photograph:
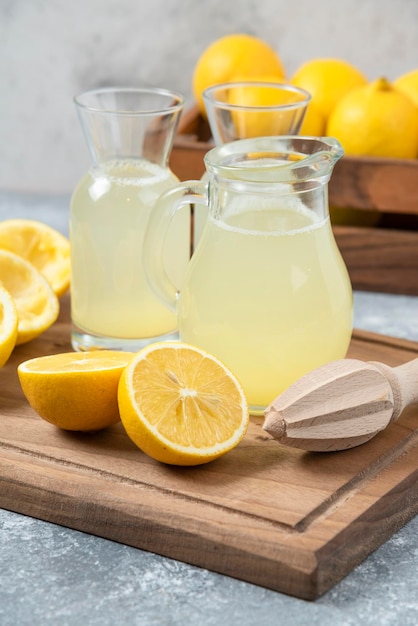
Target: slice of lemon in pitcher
point(36, 303)
point(181, 405)
point(46, 248)
point(8, 325)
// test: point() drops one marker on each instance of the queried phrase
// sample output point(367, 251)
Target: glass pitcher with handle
point(266, 289)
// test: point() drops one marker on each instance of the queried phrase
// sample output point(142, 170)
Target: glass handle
point(166, 207)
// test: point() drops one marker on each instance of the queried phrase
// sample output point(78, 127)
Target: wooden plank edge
point(367, 336)
point(334, 563)
point(307, 575)
point(152, 531)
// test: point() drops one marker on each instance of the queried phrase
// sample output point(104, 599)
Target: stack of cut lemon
point(34, 274)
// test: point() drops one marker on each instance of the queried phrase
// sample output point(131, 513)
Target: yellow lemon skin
point(43, 246)
point(36, 303)
point(408, 84)
point(8, 325)
point(180, 405)
point(227, 58)
point(313, 124)
point(327, 80)
point(376, 120)
point(75, 391)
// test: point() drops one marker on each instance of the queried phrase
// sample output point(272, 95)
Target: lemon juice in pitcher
point(266, 290)
point(130, 133)
point(265, 294)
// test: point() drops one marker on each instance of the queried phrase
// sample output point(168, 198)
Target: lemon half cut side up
point(181, 405)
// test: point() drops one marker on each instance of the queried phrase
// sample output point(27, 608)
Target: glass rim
point(178, 100)
point(208, 95)
point(275, 154)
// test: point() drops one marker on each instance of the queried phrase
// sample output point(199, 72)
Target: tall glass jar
point(129, 133)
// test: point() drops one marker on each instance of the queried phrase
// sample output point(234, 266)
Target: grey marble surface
point(50, 575)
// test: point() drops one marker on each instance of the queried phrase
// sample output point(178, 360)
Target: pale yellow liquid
point(110, 294)
point(268, 293)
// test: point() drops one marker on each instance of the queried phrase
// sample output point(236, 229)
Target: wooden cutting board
point(288, 520)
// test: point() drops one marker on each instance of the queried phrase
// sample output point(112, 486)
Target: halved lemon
point(46, 248)
point(181, 405)
point(75, 390)
point(36, 303)
point(8, 325)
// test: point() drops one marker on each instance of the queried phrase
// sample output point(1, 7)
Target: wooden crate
point(379, 242)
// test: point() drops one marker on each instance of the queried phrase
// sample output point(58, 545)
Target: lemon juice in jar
point(130, 134)
point(110, 293)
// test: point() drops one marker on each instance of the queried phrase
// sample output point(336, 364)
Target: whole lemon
point(376, 120)
point(313, 123)
point(327, 80)
point(408, 84)
point(231, 56)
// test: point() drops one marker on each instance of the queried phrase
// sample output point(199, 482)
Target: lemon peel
point(43, 246)
point(75, 390)
point(327, 80)
point(8, 325)
point(36, 303)
point(231, 57)
point(376, 120)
